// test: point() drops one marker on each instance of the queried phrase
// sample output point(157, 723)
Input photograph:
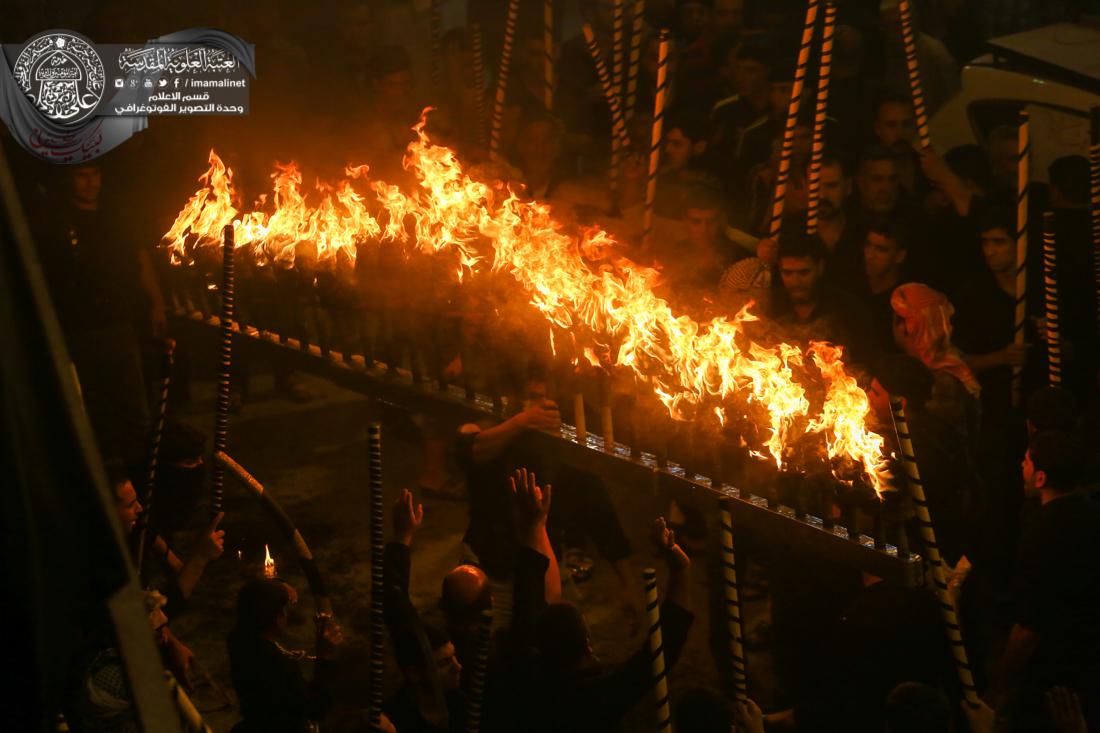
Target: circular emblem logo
point(62, 74)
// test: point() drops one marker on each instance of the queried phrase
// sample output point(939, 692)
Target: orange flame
point(269, 563)
point(704, 371)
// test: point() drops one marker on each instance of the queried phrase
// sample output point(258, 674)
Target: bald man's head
point(464, 595)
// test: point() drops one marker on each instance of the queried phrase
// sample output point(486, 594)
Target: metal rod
point(733, 606)
point(154, 454)
point(656, 651)
point(1023, 177)
point(912, 64)
point(548, 54)
point(820, 116)
point(1050, 288)
point(502, 78)
point(221, 413)
point(792, 119)
point(477, 672)
point(656, 132)
point(932, 552)
point(377, 619)
point(637, 27)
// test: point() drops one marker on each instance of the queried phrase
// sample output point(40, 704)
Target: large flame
point(703, 371)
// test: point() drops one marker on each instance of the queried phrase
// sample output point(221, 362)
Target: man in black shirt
point(100, 282)
point(884, 253)
point(1056, 636)
point(810, 308)
point(274, 696)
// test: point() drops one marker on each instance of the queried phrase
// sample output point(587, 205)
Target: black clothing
point(581, 511)
point(595, 699)
point(1059, 595)
point(889, 635)
point(880, 317)
point(274, 697)
point(91, 268)
point(837, 317)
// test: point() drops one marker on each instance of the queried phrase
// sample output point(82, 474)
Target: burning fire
point(269, 563)
point(703, 371)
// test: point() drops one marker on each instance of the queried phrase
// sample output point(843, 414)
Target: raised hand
point(750, 719)
point(531, 502)
point(406, 517)
point(665, 540)
point(211, 543)
point(1065, 710)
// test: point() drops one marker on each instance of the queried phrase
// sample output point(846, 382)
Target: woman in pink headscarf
point(922, 329)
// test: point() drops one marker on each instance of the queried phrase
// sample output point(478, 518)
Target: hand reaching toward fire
point(406, 518)
point(530, 502)
point(543, 415)
point(665, 541)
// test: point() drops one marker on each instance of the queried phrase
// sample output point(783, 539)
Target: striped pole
point(1050, 288)
point(820, 107)
point(479, 80)
point(190, 719)
point(932, 553)
point(154, 453)
point(655, 137)
point(477, 672)
point(792, 118)
point(618, 127)
point(377, 619)
point(435, 30)
point(502, 78)
point(733, 606)
point(637, 26)
point(1094, 200)
point(618, 52)
point(656, 651)
point(548, 54)
point(909, 40)
point(1023, 176)
point(221, 412)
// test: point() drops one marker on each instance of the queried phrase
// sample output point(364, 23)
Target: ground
point(313, 458)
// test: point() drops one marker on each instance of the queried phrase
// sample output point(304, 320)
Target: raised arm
point(531, 505)
point(490, 442)
point(208, 547)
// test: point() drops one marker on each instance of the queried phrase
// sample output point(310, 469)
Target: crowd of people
point(912, 270)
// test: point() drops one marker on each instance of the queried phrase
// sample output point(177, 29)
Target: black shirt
point(1059, 593)
point(274, 696)
point(91, 268)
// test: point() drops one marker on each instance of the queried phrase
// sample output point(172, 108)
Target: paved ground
point(312, 456)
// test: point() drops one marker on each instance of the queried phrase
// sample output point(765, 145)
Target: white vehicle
point(1054, 72)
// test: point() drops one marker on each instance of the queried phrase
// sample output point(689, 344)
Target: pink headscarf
point(927, 315)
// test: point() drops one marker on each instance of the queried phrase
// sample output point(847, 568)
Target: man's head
point(728, 16)
point(704, 216)
point(1051, 408)
point(693, 17)
point(409, 651)
point(901, 376)
point(752, 69)
point(998, 240)
point(835, 189)
point(894, 125)
point(914, 707)
point(391, 77)
point(263, 606)
point(1051, 464)
point(884, 250)
point(1069, 182)
point(780, 87)
point(686, 134)
point(1003, 148)
point(127, 506)
point(877, 180)
point(539, 142)
point(801, 265)
point(563, 638)
point(463, 596)
point(84, 182)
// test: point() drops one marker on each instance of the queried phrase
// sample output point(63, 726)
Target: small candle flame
point(269, 563)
